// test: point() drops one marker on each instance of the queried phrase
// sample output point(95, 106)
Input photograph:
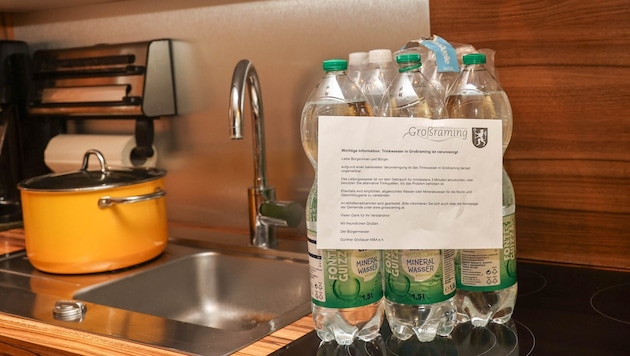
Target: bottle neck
point(478, 75)
point(379, 65)
point(335, 72)
point(409, 67)
point(475, 67)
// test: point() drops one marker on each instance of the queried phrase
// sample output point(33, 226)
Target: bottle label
point(344, 278)
point(489, 270)
point(315, 264)
point(445, 55)
point(415, 277)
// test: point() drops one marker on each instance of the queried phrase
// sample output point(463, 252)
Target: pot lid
point(83, 179)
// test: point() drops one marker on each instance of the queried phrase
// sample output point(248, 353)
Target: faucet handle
point(281, 213)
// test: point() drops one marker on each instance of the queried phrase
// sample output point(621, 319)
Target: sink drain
point(69, 310)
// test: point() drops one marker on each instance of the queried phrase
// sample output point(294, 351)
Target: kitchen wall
point(208, 174)
point(564, 65)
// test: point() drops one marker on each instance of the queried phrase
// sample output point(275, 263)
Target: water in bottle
point(346, 299)
point(486, 279)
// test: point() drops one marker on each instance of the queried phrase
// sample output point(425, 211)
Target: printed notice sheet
point(409, 183)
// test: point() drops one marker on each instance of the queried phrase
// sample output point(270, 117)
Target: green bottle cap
point(408, 58)
point(334, 65)
point(474, 58)
point(408, 62)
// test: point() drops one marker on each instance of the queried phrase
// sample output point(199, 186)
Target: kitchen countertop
point(560, 310)
point(17, 333)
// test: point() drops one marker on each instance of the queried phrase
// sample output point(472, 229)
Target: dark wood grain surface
point(565, 66)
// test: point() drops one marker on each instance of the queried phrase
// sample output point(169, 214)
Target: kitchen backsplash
point(208, 174)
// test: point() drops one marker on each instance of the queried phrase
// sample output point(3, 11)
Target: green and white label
point(344, 278)
point(415, 277)
point(489, 270)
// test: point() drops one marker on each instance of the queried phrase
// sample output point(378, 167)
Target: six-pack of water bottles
point(423, 293)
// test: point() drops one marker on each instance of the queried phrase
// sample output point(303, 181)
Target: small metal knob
point(69, 310)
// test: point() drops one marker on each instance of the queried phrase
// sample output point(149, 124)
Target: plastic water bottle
point(486, 279)
point(477, 94)
point(411, 94)
point(419, 291)
point(346, 301)
point(419, 284)
point(357, 66)
point(378, 76)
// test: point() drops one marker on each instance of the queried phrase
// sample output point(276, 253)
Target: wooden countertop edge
point(29, 337)
point(278, 339)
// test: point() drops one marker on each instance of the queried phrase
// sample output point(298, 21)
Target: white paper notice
point(409, 183)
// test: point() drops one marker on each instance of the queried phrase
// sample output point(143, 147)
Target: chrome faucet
point(265, 213)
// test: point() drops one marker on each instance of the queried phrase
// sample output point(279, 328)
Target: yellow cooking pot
point(94, 221)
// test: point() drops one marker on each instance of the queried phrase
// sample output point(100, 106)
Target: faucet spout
point(245, 76)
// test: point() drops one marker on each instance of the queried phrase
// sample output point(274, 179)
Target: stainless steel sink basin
point(217, 290)
point(208, 295)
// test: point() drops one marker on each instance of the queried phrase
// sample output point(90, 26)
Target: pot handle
point(106, 202)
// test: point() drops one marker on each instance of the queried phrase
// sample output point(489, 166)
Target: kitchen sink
point(217, 290)
point(211, 294)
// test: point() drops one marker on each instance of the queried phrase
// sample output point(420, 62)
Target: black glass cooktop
point(559, 311)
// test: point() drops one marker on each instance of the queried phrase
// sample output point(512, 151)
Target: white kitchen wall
point(208, 174)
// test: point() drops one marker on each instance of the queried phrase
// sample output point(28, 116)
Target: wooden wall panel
point(565, 66)
point(571, 112)
point(575, 237)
